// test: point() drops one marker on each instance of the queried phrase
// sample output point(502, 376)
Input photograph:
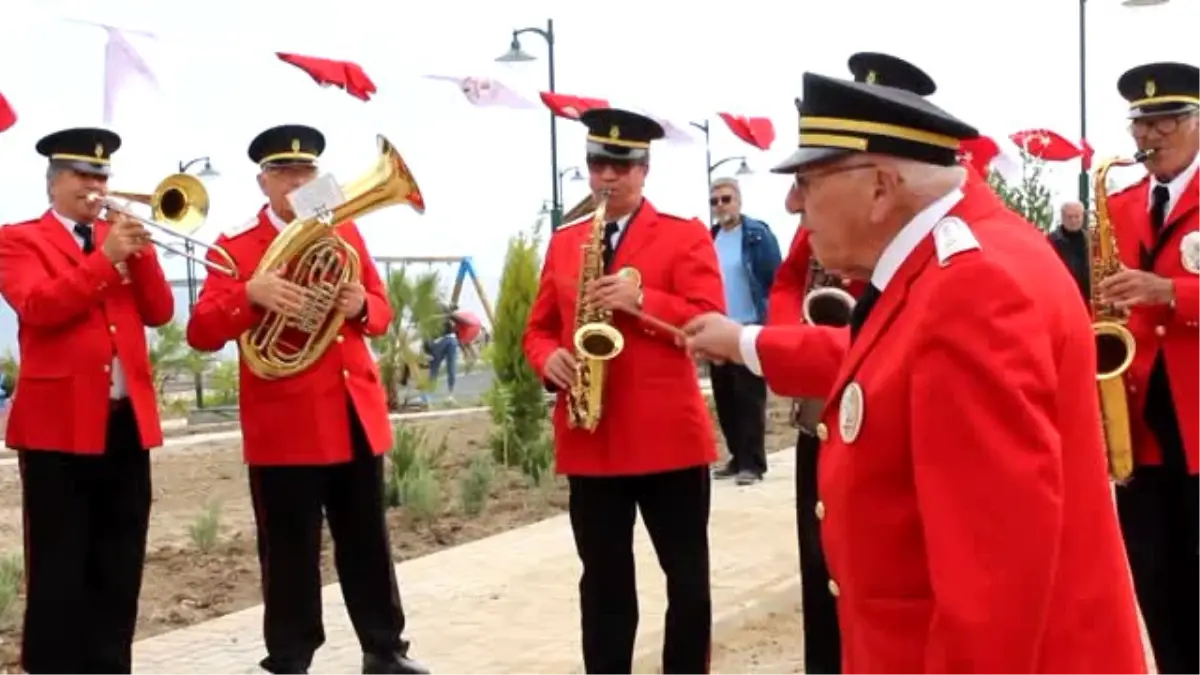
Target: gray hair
point(730, 183)
point(52, 171)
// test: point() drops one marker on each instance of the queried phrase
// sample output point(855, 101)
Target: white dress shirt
point(894, 254)
point(116, 388)
point(278, 222)
point(1175, 188)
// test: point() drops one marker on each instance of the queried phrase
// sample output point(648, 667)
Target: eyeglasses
point(803, 181)
point(720, 199)
point(1163, 125)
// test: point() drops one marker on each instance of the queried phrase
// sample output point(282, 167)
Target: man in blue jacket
point(749, 255)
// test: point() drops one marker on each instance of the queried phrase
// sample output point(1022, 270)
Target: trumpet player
point(1156, 227)
point(85, 411)
point(651, 449)
point(966, 520)
point(313, 441)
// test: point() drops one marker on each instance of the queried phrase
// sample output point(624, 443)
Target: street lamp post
point(207, 171)
point(515, 55)
point(1083, 172)
point(742, 170)
point(572, 171)
point(703, 126)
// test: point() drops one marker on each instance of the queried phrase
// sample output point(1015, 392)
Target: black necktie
point(862, 308)
point(1158, 207)
point(610, 231)
point(84, 232)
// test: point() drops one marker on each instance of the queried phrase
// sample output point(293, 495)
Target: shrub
point(1030, 198)
point(517, 397)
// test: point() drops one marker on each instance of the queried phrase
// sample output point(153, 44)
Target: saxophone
point(1115, 346)
point(826, 303)
point(596, 340)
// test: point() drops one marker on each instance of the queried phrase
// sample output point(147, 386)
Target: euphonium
point(320, 261)
point(596, 340)
point(1115, 346)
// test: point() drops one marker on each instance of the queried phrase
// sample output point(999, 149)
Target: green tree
point(417, 314)
point(517, 397)
point(172, 358)
point(1030, 198)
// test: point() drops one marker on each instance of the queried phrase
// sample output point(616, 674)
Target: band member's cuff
point(748, 348)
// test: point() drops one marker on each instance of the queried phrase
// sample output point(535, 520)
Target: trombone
point(178, 207)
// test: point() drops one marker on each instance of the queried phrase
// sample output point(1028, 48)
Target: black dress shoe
point(283, 666)
point(723, 472)
point(391, 663)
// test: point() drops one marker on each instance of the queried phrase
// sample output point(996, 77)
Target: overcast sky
point(485, 171)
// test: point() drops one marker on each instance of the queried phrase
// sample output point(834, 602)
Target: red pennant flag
point(757, 131)
point(978, 153)
point(1046, 144)
point(345, 75)
point(571, 107)
point(1088, 153)
point(8, 116)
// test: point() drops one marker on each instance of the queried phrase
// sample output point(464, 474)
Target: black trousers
point(1159, 510)
point(86, 518)
point(741, 398)
point(822, 637)
point(288, 506)
point(675, 506)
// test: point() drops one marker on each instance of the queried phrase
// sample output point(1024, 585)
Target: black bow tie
point(84, 232)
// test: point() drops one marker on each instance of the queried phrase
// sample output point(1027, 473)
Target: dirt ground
point(183, 585)
point(772, 643)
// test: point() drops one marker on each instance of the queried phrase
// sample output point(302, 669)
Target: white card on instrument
point(322, 195)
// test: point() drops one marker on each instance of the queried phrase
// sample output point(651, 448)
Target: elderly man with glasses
point(1156, 222)
point(966, 516)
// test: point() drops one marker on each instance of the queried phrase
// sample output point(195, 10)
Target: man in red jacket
point(966, 516)
point(314, 441)
point(85, 412)
point(1156, 223)
point(822, 644)
point(654, 441)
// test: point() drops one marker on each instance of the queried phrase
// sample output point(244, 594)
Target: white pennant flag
point(487, 91)
point(122, 63)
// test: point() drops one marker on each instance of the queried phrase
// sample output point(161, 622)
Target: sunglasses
point(597, 165)
point(723, 199)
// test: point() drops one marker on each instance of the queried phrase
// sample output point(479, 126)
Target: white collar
point(1175, 188)
point(278, 222)
point(910, 236)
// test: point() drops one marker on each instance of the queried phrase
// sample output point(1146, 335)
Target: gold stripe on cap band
point(879, 129)
point(809, 140)
point(287, 155)
point(90, 159)
point(618, 141)
point(1158, 100)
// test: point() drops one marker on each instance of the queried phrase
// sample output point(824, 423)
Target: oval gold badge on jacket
point(850, 412)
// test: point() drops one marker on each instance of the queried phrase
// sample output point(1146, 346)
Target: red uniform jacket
point(74, 313)
point(786, 300)
point(969, 526)
point(1173, 330)
point(303, 419)
point(655, 418)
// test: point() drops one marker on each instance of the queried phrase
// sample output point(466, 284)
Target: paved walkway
point(508, 603)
